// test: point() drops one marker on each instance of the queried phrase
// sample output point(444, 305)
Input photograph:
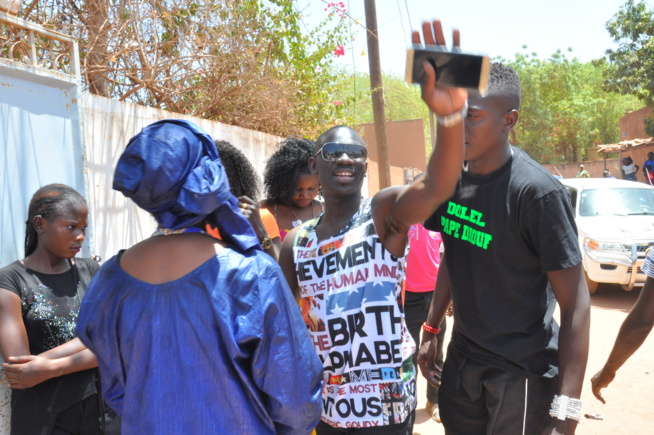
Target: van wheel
point(592, 285)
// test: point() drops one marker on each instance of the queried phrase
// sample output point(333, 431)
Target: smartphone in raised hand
point(454, 69)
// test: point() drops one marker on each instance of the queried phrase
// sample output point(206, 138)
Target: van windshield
point(622, 202)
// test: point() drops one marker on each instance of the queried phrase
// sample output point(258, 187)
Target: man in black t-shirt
point(511, 253)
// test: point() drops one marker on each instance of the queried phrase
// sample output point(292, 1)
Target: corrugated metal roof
point(620, 146)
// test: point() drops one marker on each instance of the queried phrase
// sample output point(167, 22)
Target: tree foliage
point(565, 111)
point(243, 62)
point(631, 65)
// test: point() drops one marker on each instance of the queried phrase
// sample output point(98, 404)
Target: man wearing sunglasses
point(346, 268)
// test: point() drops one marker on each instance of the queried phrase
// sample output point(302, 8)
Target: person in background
point(195, 335)
point(583, 173)
point(291, 189)
point(244, 184)
point(633, 332)
point(422, 264)
point(648, 168)
point(629, 169)
point(607, 174)
point(48, 368)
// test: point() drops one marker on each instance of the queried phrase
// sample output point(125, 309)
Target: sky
point(492, 27)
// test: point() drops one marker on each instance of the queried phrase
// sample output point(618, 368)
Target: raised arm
point(573, 298)
point(396, 209)
point(633, 332)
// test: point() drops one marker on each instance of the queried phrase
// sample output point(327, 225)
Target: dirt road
point(629, 405)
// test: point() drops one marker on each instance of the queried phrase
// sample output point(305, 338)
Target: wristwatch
point(266, 243)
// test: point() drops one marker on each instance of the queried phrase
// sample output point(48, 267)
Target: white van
point(615, 221)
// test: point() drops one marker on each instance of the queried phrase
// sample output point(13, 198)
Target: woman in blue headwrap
point(194, 335)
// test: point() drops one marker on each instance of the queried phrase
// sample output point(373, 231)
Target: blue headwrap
point(172, 169)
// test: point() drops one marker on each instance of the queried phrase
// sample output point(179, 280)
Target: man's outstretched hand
point(443, 101)
point(601, 380)
point(427, 359)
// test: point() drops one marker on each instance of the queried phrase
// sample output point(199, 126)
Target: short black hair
point(284, 166)
point(505, 83)
point(48, 202)
point(339, 133)
point(243, 178)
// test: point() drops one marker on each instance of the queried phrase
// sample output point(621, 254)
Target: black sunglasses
point(333, 151)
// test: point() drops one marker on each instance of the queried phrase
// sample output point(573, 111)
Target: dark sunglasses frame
point(344, 148)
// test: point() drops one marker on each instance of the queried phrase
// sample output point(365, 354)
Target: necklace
point(167, 231)
point(298, 221)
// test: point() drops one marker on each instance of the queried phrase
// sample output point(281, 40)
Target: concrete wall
point(595, 168)
point(397, 178)
point(632, 125)
point(406, 143)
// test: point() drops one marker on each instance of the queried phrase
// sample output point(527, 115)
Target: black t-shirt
point(50, 306)
point(502, 233)
point(50, 302)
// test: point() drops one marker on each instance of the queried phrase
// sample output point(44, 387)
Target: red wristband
point(430, 328)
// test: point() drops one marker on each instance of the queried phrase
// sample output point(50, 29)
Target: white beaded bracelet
point(565, 407)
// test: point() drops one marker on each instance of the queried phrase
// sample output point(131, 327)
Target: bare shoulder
point(166, 258)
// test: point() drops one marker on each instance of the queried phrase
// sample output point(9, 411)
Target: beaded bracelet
point(565, 407)
point(430, 328)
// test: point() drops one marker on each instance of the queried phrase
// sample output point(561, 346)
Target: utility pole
point(377, 95)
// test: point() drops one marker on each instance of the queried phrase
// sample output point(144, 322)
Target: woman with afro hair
point(291, 188)
point(244, 183)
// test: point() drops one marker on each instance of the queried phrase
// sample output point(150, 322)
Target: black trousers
point(478, 399)
point(84, 418)
point(416, 309)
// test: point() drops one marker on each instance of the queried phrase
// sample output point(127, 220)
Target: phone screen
point(460, 70)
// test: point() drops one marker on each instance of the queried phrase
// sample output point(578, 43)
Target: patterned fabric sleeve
point(648, 265)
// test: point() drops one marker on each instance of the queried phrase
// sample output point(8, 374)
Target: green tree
point(564, 110)
point(564, 113)
point(631, 65)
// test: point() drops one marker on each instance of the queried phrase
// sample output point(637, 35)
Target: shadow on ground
point(613, 297)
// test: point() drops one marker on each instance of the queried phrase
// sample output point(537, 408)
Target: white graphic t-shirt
point(351, 290)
